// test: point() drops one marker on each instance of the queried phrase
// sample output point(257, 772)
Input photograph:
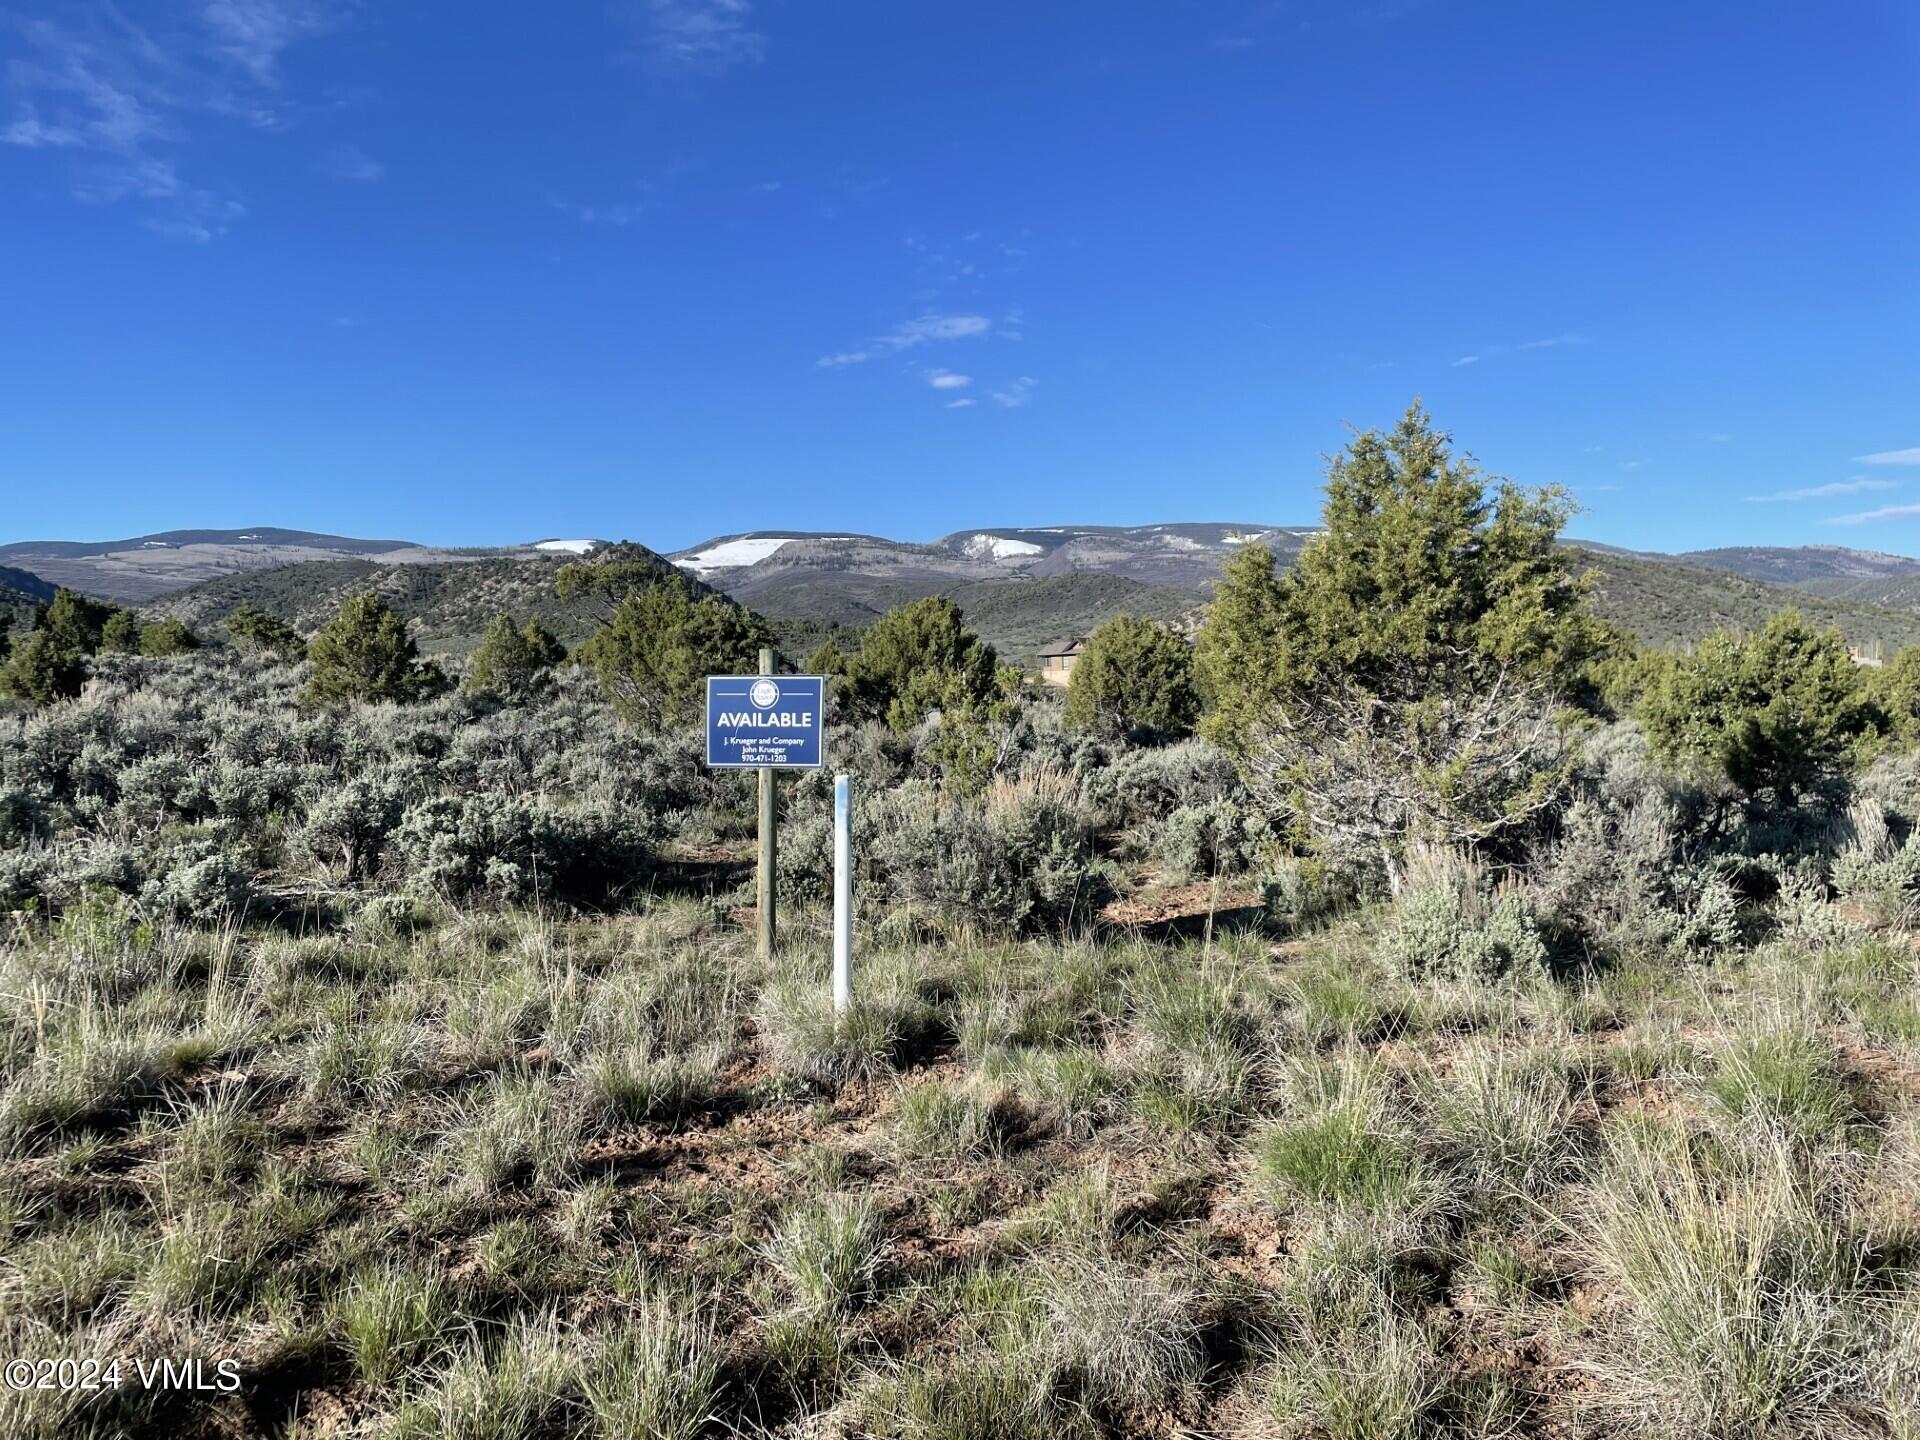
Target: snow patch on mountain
point(1001, 548)
point(736, 554)
point(571, 547)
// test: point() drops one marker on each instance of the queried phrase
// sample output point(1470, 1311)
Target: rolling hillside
point(143, 567)
point(1824, 569)
point(1670, 604)
point(20, 587)
point(1019, 616)
point(448, 602)
point(1894, 592)
point(1021, 588)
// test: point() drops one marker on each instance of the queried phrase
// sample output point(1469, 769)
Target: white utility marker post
point(842, 894)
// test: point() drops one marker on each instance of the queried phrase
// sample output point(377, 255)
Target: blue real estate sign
point(755, 720)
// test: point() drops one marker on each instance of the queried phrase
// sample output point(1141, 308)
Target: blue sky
point(672, 268)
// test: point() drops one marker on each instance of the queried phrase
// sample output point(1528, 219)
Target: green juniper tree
point(167, 637)
point(515, 661)
point(44, 668)
point(829, 659)
point(254, 630)
point(76, 622)
point(917, 658)
point(1777, 713)
point(662, 643)
point(1134, 679)
point(1401, 686)
point(1896, 685)
point(364, 653)
point(120, 635)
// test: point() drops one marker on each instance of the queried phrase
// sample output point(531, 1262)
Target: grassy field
point(507, 1175)
point(409, 1068)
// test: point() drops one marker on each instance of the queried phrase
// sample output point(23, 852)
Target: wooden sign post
point(764, 933)
point(764, 723)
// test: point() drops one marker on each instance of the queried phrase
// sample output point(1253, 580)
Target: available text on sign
point(765, 720)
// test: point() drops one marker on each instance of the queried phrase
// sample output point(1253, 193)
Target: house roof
point(1063, 647)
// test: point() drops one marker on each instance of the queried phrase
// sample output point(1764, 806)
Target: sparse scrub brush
point(1127, 1337)
point(518, 1123)
point(1446, 928)
point(513, 1383)
point(655, 1373)
point(1201, 841)
point(1371, 1373)
point(829, 1251)
point(1746, 1302)
point(949, 1122)
point(388, 1315)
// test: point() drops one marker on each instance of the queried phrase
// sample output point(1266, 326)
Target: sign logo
point(766, 720)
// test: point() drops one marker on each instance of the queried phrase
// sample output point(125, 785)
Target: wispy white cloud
point(122, 90)
point(618, 213)
point(350, 162)
point(1890, 512)
point(1858, 485)
point(947, 380)
point(961, 404)
point(1015, 393)
point(703, 37)
point(253, 33)
point(1545, 342)
point(1890, 457)
point(925, 330)
point(1633, 464)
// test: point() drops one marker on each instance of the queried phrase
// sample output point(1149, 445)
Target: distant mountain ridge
point(1802, 564)
point(175, 539)
point(1182, 554)
point(141, 568)
point(1022, 586)
point(1027, 580)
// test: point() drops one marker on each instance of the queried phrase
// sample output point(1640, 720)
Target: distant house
point(1057, 659)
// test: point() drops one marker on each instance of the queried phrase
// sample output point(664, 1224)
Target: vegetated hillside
point(1664, 602)
point(1671, 605)
point(144, 567)
point(21, 588)
point(1019, 616)
point(1815, 567)
point(1894, 592)
point(448, 602)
